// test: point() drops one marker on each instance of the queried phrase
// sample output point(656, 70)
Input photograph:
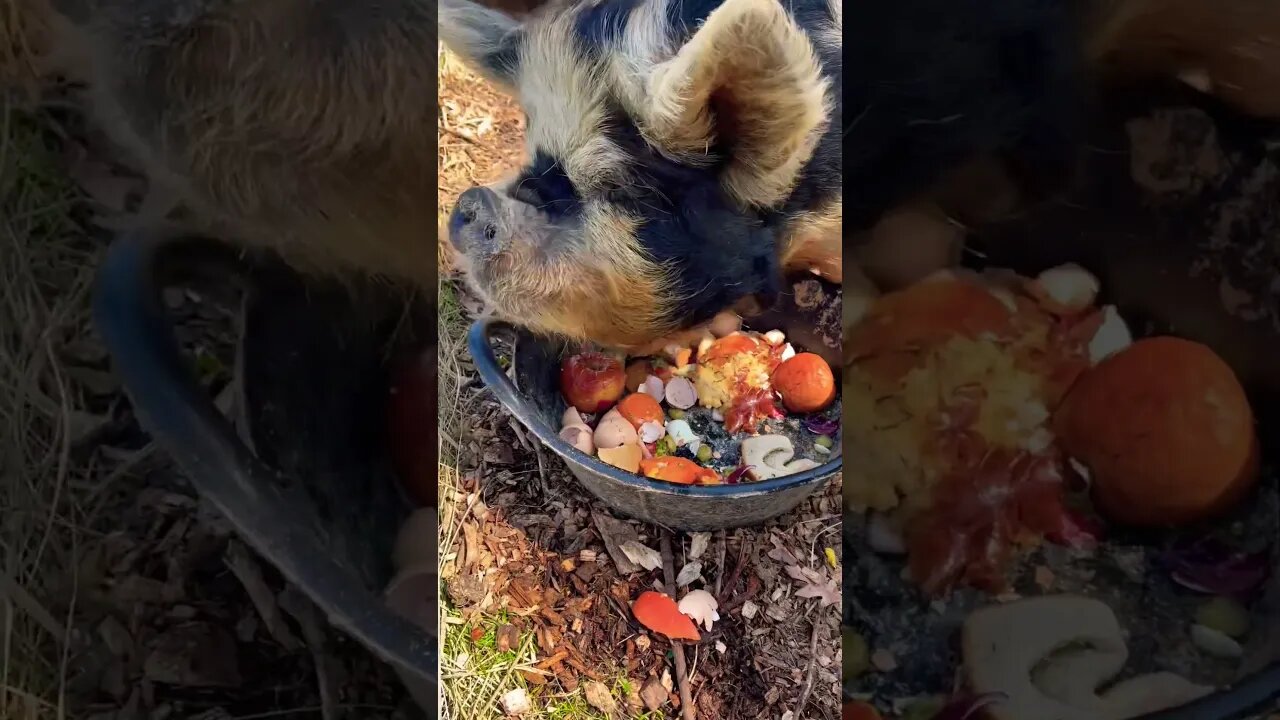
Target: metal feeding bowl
point(534, 398)
point(1177, 216)
point(305, 476)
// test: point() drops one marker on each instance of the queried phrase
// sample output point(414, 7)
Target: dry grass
point(45, 273)
point(480, 140)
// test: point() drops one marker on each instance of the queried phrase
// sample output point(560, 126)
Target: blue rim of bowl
point(497, 381)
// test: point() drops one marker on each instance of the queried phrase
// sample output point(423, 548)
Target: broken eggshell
point(614, 431)
point(1112, 337)
point(653, 387)
point(651, 432)
point(579, 436)
point(681, 432)
point(624, 457)
point(681, 393)
point(700, 606)
point(573, 418)
point(1064, 290)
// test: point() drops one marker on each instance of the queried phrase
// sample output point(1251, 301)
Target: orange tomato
point(1166, 431)
point(857, 710)
point(805, 383)
point(678, 470)
point(639, 408)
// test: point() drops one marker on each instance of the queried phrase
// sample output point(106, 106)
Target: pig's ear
point(748, 83)
point(487, 39)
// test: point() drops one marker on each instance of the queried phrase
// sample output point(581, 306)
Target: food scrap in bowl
point(991, 412)
point(744, 406)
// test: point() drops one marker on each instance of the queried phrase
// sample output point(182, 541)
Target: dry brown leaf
point(642, 555)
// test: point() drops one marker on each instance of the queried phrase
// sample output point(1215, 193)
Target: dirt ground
point(122, 595)
point(536, 589)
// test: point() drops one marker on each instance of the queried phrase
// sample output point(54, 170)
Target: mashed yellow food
point(895, 425)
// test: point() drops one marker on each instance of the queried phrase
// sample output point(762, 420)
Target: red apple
point(592, 382)
point(411, 423)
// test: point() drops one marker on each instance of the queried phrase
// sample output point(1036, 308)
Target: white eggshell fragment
point(681, 432)
point(652, 386)
point(700, 606)
point(580, 437)
point(788, 352)
point(1065, 289)
point(572, 418)
point(625, 457)
point(614, 431)
point(651, 432)
point(1111, 338)
point(774, 337)
point(681, 393)
point(883, 537)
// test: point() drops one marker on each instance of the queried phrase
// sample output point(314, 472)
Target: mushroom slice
point(770, 456)
point(759, 453)
point(1050, 654)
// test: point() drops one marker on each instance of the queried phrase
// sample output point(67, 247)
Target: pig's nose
point(474, 221)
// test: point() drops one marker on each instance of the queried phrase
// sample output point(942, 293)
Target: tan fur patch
point(816, 244)
point(565, 98)
point(611, 293)
point(750, 67)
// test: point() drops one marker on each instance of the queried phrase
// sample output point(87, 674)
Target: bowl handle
point(129, 312)
point(480, 343)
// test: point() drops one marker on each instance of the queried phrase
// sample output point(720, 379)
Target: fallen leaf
point(507, 637)
point(642, 555)
point(653, 694)
point(600, 698)
point(698, 544)
point(828, 593)
point(688, 574)
point(781, 553)
point(659, 613)
point(815, 584)
point(194, 655)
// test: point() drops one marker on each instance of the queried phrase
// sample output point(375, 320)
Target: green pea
point(676, 413)
point(854, 654)
point(823, 441)
point(1225, 615)
point(704, 453)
